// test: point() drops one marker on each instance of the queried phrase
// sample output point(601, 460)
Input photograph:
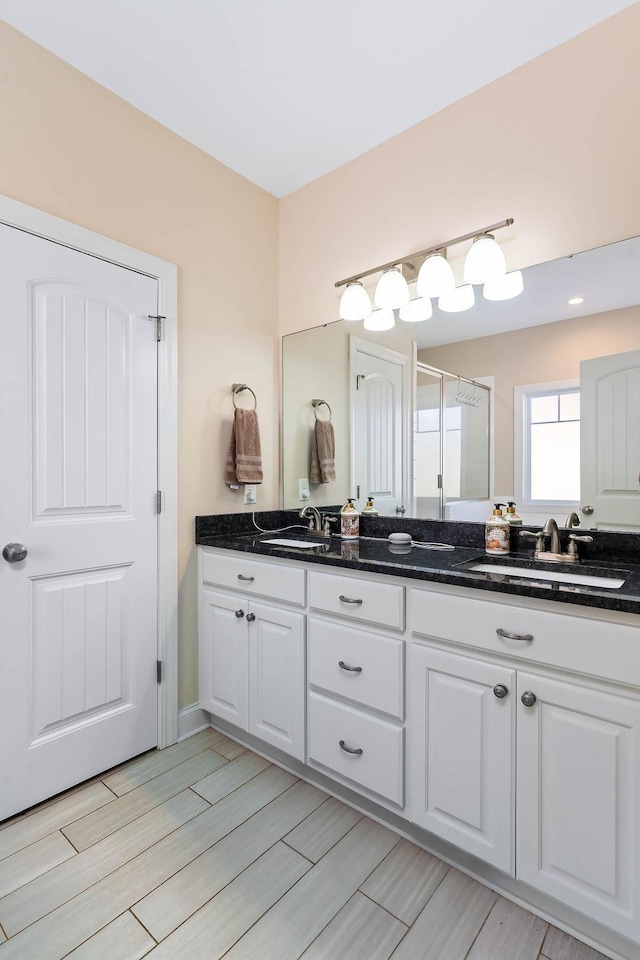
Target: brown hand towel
point(323, 453)
point(244, 460)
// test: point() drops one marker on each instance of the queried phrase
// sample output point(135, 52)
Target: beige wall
point(551, 351)
point(73, 149)
point(553, 144)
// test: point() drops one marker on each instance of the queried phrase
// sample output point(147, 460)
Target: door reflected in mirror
point(557, 427)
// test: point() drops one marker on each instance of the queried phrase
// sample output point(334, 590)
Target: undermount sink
point(298, 544)
point(607, 581)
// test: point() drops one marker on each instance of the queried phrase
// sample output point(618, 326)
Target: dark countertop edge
point(593, 600)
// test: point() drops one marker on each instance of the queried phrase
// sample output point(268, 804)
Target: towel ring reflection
point(320, 403)
point(238, 388)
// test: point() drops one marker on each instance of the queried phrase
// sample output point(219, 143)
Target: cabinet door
point(277, 677)
point(224, 684)
point(578, 799)
point(461, 746)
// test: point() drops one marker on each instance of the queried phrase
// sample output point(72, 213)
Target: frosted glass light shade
point(484, 261)
point(355, 303)
point(392, 290)
point(504, 288)
point(435, 277)
point(380, 320)
point(416, 310)
point(461, 299)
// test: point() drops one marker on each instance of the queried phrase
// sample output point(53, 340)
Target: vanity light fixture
point(380, 320)
point(574, 301)
point(485, 260)
point(484, 263)
point(355, 303)
point(416, 310)
point(435, 277)
point(462, 298)
point(392, 291)
point(504, 288)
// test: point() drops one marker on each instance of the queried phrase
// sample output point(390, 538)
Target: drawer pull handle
point(349, 600)
point(345, 666)
point(356, 753)
point(248, 579)
point(525, 637)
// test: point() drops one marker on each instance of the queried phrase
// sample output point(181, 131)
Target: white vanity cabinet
point(356, 682)
point(563, 747)
point(461, 758)
point(252, 653)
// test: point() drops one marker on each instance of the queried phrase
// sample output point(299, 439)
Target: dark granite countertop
point(374, 554)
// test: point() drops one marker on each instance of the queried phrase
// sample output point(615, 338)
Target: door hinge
point(159, 671)
point(159, 325)
point(358, 492)
point(158, 501)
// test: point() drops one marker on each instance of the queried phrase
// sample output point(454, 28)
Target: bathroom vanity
point(492, 718)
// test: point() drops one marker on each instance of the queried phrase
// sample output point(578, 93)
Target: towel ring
point(238, 388)
point(320, 403)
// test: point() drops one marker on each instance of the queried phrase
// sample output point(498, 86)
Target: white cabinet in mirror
point(573, 334)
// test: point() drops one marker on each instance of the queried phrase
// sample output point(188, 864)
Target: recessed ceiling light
point(574, 301)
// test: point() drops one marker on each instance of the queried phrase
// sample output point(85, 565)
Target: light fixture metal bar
point(427, 252)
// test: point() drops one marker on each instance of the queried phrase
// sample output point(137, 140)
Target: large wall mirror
point(535, 399)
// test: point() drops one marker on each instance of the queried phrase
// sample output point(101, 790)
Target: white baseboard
point(192, 719)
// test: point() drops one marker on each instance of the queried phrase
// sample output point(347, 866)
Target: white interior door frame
point(30, 219)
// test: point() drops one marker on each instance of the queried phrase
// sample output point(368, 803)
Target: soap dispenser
point(369, 510)
point(497, 532)
point(349, 521)
point(512, 516)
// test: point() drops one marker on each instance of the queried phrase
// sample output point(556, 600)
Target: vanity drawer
point(367, 600)
point(275, 580)
point(584, 645)
point(380, 766)
point(378, 683)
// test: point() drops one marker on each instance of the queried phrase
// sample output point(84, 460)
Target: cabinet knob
point(251, 617)
point(500, 691)
point(528, 698)
point(239, 614)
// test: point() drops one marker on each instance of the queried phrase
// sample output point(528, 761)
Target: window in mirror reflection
point(552, 446)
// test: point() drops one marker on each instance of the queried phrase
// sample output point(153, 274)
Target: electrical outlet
point(250, 494)
point(303, 491)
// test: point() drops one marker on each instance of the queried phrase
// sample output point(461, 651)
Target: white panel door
point(579, 799)
point(78, 434)
point(224, 657)
point(277, 677)
point(380, 423)
point(610, 441)
point(461, 746)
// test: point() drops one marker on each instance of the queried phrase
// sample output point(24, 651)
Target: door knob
point(587, 510)
point(528, 698)
point(14, 552)
point(500, 691)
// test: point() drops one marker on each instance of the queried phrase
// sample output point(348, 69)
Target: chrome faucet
point(573, 520)
point(312, 514)
point(550, 530)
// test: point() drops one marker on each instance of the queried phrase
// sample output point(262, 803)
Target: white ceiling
point(608, 278)
point(283, 91)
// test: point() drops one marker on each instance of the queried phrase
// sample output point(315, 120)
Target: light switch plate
point(303, 491)
point(250, 493)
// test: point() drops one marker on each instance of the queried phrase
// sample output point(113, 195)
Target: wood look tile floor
point(205, 850)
